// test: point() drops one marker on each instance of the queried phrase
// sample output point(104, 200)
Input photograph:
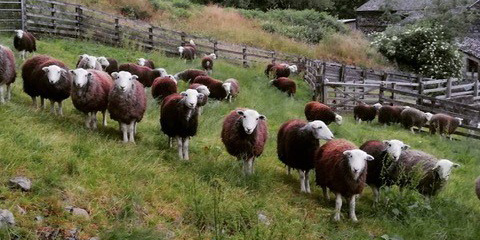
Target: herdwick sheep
point(90, 91)
point(179, 118)
point(285, 85)
point(244, 134)
point(363, 112)
point(319, 111)
point(444, 124)
point(207, 62)
point(386, 154)
point(390, 114)
point(218, 89)
point(127, 103)
point(88, 62)
point(145, 74)
point(146, 63)
point(188, 51)
point(341, 167)
point(189, 75)
point(24, 42)
point(280, 70)
point(297, 141)
point(232, 87)
point(411, 117)
point(7, 73)
point(163, 87)
point(203, 90)
point(109, 65)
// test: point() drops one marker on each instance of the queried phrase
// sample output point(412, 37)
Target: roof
point(403, 5)
point(471, 46)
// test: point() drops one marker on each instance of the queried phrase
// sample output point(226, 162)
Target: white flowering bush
point(423, 49)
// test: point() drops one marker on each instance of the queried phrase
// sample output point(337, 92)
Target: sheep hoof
point(336, 218)
point(354, 219)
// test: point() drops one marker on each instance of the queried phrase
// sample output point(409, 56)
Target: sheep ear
point(45, 69)
point(347, 154)
point(63, 70)
point(405, 147)
point(135, 77)
point(89, 75)
point(456, 165)
point(114, 75)
point(183, 94)
point(262, 117)
point(240, 112)
point(200, 96)
point(72, 72)
point(369, 158)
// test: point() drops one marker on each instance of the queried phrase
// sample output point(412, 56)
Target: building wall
point(369, 22)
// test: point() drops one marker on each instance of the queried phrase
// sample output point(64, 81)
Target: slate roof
point(402, 5)
point(471, 46)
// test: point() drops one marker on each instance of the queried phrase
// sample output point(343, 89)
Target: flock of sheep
point(101, 85)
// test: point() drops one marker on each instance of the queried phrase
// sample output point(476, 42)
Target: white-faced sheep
point(444, 124)
point(90, 91)
point(319, 111)
point(179, 118)
point(411, 117)
point(280, 70)
point(203, 90)
point(146, 63)
point(109, 65)
point(127, 103)
point(207, 62)
point(24, 42)
point(379, 171)
point(218, 89)
point(163, 87)
point(48, 78)
point(86, 61)
point(7, 72)
point(188, 51)
point(189, 75)
point(244, 134)
point(363, 112)
point(285, 85)
point(232, 87)
point(297, 141)
point(341, 167)
point(422, 171)
point(145, 74)
point(390, 114)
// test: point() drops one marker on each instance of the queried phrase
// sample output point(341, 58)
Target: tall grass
point(143, 191)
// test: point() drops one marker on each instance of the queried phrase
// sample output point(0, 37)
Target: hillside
point(143, 191)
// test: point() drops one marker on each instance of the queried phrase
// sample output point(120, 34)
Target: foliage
point(264, 5)
point(345, 9)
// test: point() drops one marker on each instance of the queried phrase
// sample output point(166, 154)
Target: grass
point(143, 191)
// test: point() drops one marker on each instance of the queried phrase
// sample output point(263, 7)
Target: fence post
point(318, 81)
point(324, 90)
point(215, 48)
point(150, 37)
point(381, 93)
point(244, 56)
point(23, 15)
point(421, 87)
point(117, 32)
point(393, 93)
point(448, 94)
point(274, 57)
point(475, 85)
point(182, 38)
point(79, 19)
point(54, 23)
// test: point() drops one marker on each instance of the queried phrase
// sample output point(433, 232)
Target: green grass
point(143, 191)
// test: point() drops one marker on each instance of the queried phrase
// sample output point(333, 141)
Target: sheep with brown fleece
point(280, 70)
point(218, 89)
point(7, 73)
point(297, 141)
point(163, 87)
point(411, 117)
point(341, 167)
point(203, 90)
point(146, 63)
point(189, 75)
point(188, 51)
point(444, 124)
point(127, 103)
point(86, 61)
point(207, 62)
point(232, 87)
point(364, 112)
point(285, 85)
point(390, 114)
point(319, 111)
point(145, 74)
point(24, 42)
point(109, 65)
point(90, 91)
point(244, 134)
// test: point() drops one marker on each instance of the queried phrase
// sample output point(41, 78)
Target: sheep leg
point(353, 216)
point(135, 128)
point(52, 107)
point(9, 92)
point(42, 102)
point(34, 102)
point(302, 180)
point(307, 181)
point(23, 55)
point(250, 165)
point(200, 110)
point(288, 170)
point(180, 147)
point(88, 120)
point(60, 109)
point(411, 129)
point(338, 206)
point(170, 142)
point(93, 120)
point(104, 119)
point(185, 148)
point(376, 193)
point(124, 129)
point(131, 130)
point(325, 193)
point(2, 100)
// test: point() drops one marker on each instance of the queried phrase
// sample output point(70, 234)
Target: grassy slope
point(143, 192)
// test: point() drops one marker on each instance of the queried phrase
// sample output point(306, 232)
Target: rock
point(21, 210)
point(22, 183)
point(263, 219)
point(78, 211)
point(38, 218)
point(6, 218)
point(94, 238)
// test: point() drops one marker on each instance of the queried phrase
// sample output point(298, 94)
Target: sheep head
point(250, 119)
point(293, 68)
point(180, 49)
point(162, 71)
point(357, 161)
point(320, 130)
point(204, 90)
point(19, 33)
point(91, 61)
point(212, 56)
point(141, 61)
point(460, 120)
point(444, 167)
point(104, 62)
point(191, 97)
point(228, 88)
point(394, 148)
point(338, 119)
point(192, 42)
point(124, 81)
point(377, 106)
point(81, 77)
point(54, 73)
point(428, 116)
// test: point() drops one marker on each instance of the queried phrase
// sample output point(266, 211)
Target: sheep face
point(357, 161)
point(124, 80)
point(444, 167)
point(19, 33)
point(191, 97)
point(80, 77)
point(141, 61)
point(192, 42)
point(104, 62)
point(293, 68)
point(338, 119)
point(204, 90)
point(227, 87)
point(250, 120)
point(54, 73)
point(91, 61)
point(180, 49)
point(394, 148)
point(320, 130)
point(460, 120)
point(428, 116)
point(162, 71)
point(212, 56)
point(377, 106)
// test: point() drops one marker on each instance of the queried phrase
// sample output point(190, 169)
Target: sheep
point(389, 114)
point(188, 51)
point(88, 62)
point(109, 65)
point(145, 74)
point(280, 70)
point(477, 187)
point(285, 85)
point(146, 63)
point(232, 87)
point(90, 91)
point(189, 75)
point(342, 167)
point(24, 42)
point(204, 90)
point(444, 124)
point(297, 141)
point(48, 78)
point(319, 111)
point(244, 134)
point(127, 103)
point(163, 87)
point(7, 72)
point(411, 117)
point(207, 62)
point(363, 112)
point(423, 172)
point(386, 154)
point(218, 89)
point(179, 118)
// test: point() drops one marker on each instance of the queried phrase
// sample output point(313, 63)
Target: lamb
point(146, 63)
point(411, 117)
point(145, 74)
point(244, 134)
point(280, 70)
point(285, 85)
point(363, 112)
point(342, 167)
point(88, 62)
point(423, 172)
point(207, 62)
point(7, 72)
point(90, 91)
point(386, 154)
point(297, 141)
point(48, 78)
point(319, 111)
point(24, 42)
point(127, 103)
point(203, 90)
point(477, 187)
point(390, 114)
point(189, 75)
point(163, 87)
point(232, 87)
point(218, 89)
point(109, 65)
point(444, 124)
point(179, 118)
